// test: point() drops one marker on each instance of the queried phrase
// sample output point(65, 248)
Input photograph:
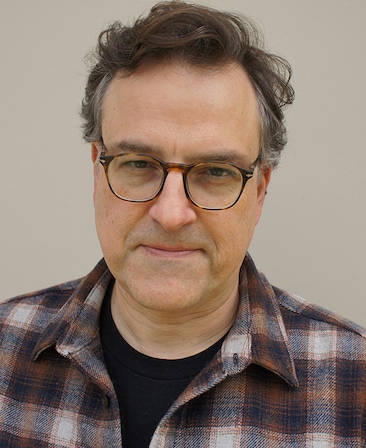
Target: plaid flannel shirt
point(289, 374)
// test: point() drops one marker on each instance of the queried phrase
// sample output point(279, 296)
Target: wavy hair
point(201, 37)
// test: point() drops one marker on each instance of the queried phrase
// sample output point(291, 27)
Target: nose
point(172, 209)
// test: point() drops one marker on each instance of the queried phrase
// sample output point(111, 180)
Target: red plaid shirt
point(289, 374)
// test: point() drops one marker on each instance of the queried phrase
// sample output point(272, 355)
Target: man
point(175, 339)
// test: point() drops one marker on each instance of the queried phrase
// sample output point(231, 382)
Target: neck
point(171, 335)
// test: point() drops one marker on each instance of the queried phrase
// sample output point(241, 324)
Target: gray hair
point(204, 38)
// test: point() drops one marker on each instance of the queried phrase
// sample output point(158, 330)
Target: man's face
point(167, 254)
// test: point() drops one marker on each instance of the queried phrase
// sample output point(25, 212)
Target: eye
point(217, 171)
point(138, 164)
point(132, 163)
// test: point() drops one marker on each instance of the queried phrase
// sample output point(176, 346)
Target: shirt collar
point(81, 311)
point(258, 335)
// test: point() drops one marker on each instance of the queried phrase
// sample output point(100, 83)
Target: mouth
point(169, 251)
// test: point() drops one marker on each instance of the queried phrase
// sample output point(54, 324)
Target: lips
point(169, 251)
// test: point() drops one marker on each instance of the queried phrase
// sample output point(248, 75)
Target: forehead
point(176, 108)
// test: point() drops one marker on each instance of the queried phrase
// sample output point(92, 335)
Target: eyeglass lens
point(210, 184)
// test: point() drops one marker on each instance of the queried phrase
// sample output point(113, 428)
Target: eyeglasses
point(209, 185)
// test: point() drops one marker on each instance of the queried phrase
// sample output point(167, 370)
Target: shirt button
point(236, 359)
point(105, 401)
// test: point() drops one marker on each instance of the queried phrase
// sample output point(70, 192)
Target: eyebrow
point(223, 155)
point(135, 147)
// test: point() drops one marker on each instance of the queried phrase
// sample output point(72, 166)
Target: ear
point(94, 152)
point(95, 159)
point(265, 178)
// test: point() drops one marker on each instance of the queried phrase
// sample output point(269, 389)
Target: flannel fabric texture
point(289, 374)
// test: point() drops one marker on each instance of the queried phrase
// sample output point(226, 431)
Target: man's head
point(180, 87)
point(200, 37)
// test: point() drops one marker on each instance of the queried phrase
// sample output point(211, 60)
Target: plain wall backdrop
point(311, 239)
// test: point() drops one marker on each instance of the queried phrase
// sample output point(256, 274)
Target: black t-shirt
point(146, 387)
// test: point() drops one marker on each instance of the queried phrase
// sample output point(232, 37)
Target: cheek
point(107, 206)
point(115, 220)
point(239, 226)
point(101, 206)
point(104, 223)
point(232, 232)
point(106, 209)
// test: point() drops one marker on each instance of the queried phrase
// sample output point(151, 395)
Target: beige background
point(311, 239)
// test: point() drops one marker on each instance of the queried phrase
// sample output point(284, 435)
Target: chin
point(172, 299)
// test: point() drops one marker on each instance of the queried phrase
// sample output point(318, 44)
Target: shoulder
point(316, 332)
point(35, 310)
point(316, 315)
